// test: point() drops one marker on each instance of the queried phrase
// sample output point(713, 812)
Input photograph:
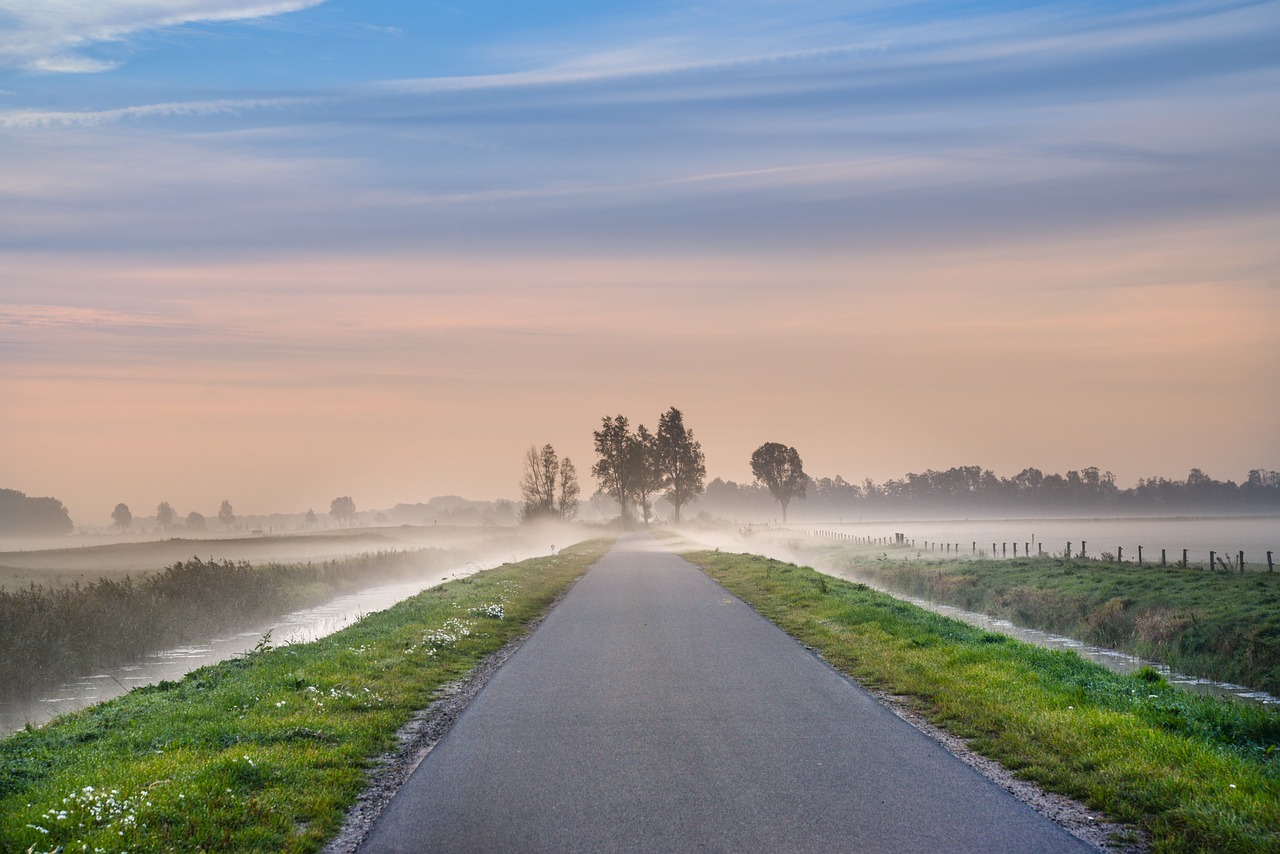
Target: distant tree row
point(975, 489)
point(21, 516)
point(167, 517)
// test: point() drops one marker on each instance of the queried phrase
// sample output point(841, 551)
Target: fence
point(1227, 561)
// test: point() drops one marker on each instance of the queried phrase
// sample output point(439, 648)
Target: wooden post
point(1139, 555)
point(1004, 550)
point(1068, 549)
point(1119, 554)
point(1083, 550)
point(1015, 549)
point(1212, 557)
point(1242, 561)
point(993, 549)
point(1270, 566)
point(1162, 563)
point(975, 547)
point(1184, 558)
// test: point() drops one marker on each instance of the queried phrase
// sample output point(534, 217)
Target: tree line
point(976, 489)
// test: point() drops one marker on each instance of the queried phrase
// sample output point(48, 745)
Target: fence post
point(1119, 554)
point(1068, 549)
point(1015, 549)
point(1139, 555)
point(975, 547)
point(1004, 550)
point(1184, 558)
point(1212, 556)
point(1242, 562)
point(1083, 551)
point(1162, 563)
point(1270, 566)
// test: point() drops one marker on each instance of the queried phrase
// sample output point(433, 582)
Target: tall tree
point(166, 515)
point(226, 515)
point(569, 490)
point(121, 517)
point(681, 463)
point(195, 521)
point(343, 509)
point(646, 476)
point(779, 468)
point(615, 468)
point(539, 482)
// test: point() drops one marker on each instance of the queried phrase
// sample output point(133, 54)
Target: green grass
point(1206, 623)
point(1196, 774)
point(265, 752)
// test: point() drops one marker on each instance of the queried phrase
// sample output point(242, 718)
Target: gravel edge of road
point(427, 727)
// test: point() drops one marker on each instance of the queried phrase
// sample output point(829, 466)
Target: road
point(653, 711)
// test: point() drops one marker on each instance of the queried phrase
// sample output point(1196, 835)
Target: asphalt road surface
point(653, 711)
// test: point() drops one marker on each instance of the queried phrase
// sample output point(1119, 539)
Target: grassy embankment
point(52, 634)
point(1220, 625)
point(265, 752)
point(1197, 774)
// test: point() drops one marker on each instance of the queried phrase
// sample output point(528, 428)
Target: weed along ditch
point(263, 752)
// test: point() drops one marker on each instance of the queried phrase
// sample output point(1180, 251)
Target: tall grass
point(54, 634)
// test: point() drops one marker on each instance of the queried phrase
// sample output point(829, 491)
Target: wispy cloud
point(19, 119)
point(51, 35)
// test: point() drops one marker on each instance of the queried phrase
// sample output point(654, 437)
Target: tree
point(615, 468)
point(681, 463)
point(121, 517)
point(538, 484)
point(195, 521)
point(343, 509)
point(226, 515)
point(311, 518)
point(646, 477)
point(166, 515)
point(569, 490)
point(23, 516)
point(779, 468)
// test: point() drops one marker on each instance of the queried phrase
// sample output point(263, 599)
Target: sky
point(278, 251)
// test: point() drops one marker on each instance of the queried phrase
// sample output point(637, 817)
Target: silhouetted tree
point(538, 483)
point(343, 509)
point(226, 515)
point(569, 490)
point(121, 517)
point(779, 468)
point(615, 468)
point(166, 515)
point(646, 476)
point(311, 518)
point(195, 521)
point(680, 461)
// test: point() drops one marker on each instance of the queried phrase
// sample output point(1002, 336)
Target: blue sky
point(200, 189)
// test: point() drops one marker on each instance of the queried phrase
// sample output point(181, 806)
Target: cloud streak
point(52, 35)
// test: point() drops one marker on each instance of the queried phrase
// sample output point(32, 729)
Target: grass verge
point(1196, 774)
point(265, 752)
